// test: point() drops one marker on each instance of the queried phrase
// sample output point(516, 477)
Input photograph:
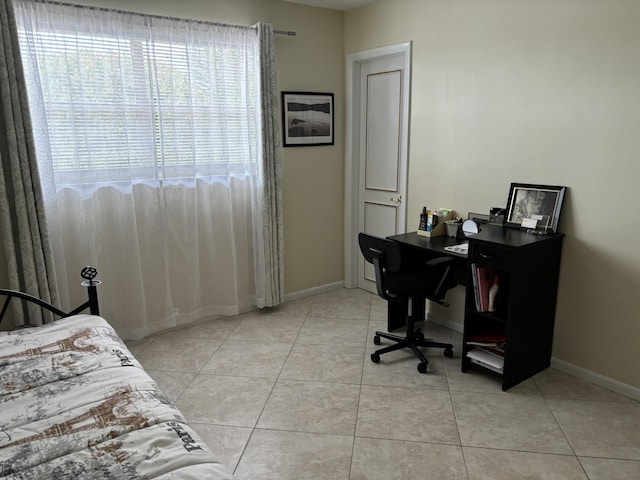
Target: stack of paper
point(462, 248)
point(486, 359)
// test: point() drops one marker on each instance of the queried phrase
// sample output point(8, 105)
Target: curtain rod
point(163, 17)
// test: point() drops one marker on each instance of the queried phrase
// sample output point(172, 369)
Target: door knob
point(396, 199)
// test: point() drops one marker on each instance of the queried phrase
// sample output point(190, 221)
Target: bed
point(75, 403)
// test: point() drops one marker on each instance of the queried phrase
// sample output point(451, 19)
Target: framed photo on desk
point(534, 206)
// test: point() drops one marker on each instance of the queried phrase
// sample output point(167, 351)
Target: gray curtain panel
point(272, 214)
point(23, 229)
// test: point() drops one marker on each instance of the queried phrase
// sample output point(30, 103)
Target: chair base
point(412, 341)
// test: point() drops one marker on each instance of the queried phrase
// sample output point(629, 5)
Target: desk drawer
point(491, 255)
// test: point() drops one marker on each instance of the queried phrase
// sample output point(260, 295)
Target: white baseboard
point(445, 322)
point(597, 379)
point(313, 291)
point(566, 367)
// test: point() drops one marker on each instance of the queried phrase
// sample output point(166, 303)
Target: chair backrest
point(387, 252)
point(385, 256)
point(432, 281)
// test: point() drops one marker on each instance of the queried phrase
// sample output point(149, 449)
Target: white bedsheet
point(75, 403)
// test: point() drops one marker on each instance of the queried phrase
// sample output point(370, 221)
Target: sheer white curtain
point(148, 137)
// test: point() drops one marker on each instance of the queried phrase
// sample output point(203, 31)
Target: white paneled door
point(381, 153)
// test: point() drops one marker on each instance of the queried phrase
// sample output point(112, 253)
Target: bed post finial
point(89, 273)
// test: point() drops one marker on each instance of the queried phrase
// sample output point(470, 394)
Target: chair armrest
point(445, 284)
point(434, 262)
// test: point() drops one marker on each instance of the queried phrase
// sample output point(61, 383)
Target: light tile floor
point(290, 393)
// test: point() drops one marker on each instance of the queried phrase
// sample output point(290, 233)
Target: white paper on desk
point(462, 248)
point(485, 357)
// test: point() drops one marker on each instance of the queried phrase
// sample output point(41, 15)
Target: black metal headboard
point(88, 273)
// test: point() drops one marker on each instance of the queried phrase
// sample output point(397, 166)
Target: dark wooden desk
point(528, 267)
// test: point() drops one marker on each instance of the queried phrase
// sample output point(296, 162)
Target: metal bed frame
point(88, 273)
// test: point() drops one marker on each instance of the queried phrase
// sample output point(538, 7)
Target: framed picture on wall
point(536, 207)
point(307, 119)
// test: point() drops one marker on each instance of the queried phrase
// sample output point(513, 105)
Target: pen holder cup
point(452, 228)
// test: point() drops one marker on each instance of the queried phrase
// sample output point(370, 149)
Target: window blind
point(142, 103)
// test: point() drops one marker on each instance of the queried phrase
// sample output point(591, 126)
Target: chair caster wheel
point(375, 358)
point(419, 335)
point(376, 340)
point(448, 353)
point(422, 367)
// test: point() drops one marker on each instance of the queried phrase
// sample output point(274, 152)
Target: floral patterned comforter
point(75, 403)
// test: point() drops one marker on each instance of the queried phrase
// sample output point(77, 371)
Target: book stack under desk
point(487, 350)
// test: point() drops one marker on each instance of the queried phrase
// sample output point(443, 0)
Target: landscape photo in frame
point(307, 119)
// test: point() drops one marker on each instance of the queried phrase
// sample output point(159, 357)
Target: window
point(144, 102)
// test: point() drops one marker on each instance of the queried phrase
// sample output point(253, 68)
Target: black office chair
point(398, 282)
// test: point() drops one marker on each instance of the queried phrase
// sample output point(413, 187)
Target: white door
point(379, 152)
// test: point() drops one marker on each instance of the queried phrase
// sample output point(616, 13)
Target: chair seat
point(412, 282)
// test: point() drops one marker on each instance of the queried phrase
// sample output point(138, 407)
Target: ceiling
point(343, 5)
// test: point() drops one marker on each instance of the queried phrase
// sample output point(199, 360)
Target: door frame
point(352, 146)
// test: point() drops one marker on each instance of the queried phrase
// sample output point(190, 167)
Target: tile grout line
point(364, 359)
point(255, 426)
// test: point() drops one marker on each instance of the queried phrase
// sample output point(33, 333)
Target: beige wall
point(534, 91)
point(313, 178)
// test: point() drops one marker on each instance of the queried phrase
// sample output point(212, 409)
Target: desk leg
point(397, 313)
